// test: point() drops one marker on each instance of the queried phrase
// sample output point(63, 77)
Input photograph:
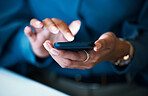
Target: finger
point(97, 46)
point(73, 64)
point(28, 32)
point(36, 23)
point(107, 40)
point(64, 29)
point(81, 65)
point(72, 55)
point(66, 63)
point(74, 27)
point(48, 45)
point(63, 62)
point(78, 56)
point(50, 25)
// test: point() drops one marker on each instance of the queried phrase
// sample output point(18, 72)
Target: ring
point(87, 56)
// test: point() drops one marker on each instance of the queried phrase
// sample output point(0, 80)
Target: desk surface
point(13, 84)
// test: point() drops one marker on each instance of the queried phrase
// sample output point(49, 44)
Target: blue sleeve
point(136, 31)
point(14, 46)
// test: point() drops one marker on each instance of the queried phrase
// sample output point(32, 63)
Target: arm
point(16, 47)
point(137, 34)
point(108, 48)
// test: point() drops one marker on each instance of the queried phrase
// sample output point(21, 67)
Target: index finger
point(63, 27)
point(50, 25)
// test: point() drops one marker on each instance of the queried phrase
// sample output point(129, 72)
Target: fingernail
point(95, 48)
point(38, 24)
point(54, 29)
point(54, 52)
point(47, 46)
point(69, 37)
point(27, 29)
point(78, 21)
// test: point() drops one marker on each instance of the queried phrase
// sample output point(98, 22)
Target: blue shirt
point(128, 19)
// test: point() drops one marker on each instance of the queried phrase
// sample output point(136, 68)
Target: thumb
point(106, 40)
point(75, 26)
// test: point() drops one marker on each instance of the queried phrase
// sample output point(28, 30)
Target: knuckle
point(58, 21)
point(46, 19)
point(53, 19)
point(67, 30)
point(47, 22)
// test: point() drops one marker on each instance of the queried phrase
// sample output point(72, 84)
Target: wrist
point(125, 52)
point(121, 49)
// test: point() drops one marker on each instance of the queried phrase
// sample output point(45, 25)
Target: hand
point(54, 30)
point(107, 48)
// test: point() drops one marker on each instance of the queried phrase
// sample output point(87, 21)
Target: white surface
point(12, 84)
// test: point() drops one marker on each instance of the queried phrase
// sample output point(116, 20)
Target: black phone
point(74, 46)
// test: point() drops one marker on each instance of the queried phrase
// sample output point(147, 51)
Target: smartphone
point(74, 46)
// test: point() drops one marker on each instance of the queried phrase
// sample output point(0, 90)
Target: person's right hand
point(53, 29)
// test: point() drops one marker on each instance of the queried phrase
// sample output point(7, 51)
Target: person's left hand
point(107, 48)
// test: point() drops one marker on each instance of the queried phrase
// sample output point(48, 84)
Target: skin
point(107, 48)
